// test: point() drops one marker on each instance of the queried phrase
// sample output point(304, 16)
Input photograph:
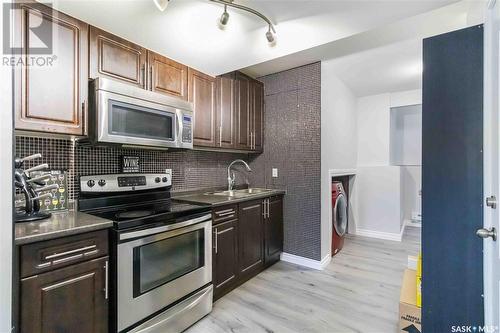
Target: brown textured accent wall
point(292, 142)
point(191, 170)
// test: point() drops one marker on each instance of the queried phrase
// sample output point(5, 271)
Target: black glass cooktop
point(126, 217)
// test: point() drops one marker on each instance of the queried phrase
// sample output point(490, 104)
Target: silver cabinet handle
point(143, 76)
point(220, 136)
point(485, 233)
point(62, 254)
point(106, 280)
point(268, 208)
point(215, 241)
point(63, 260)
point(225, 214)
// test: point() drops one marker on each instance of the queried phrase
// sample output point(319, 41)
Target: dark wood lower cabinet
point(70, 299)
point(224, 258)
point(245, 241)
point(250, 237)
point(273, 230)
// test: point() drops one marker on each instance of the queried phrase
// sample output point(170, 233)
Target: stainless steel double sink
point(240, 193)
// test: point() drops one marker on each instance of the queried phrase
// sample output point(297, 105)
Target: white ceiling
point(385, 59)
point(187, 30)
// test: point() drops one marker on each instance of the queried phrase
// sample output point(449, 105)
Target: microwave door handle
point(178, 129)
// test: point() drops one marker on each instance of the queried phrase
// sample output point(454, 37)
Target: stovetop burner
point(133, 214)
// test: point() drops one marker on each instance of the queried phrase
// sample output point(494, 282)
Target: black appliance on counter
point(161, 265)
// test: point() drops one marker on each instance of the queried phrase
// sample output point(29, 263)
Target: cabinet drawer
point(48, 255)
point(225, 213)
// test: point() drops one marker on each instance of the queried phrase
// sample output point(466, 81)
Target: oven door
point(160, 265)
point(131, 121)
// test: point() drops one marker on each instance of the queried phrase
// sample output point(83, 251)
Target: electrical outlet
point(275, 172)
point(168, 171)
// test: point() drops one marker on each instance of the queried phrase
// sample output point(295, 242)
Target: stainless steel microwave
point(125, 115)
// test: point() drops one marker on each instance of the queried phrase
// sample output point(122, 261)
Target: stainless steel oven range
point(162, 258)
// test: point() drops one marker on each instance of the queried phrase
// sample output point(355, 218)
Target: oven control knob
point(91, 183)
point(157, 179)
point(164, 179)
point(102, 182)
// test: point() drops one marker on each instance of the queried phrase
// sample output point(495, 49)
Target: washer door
point(340, 215)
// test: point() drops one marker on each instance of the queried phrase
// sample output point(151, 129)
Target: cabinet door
point(167, 76)
point(225, 124)
point(51, 97)
point(116, 58)
point(258, 115)
point(202, 94)
point(250, 237)
point(225, 254)
point(71, 299)
point(243, 113)
point(273, 226)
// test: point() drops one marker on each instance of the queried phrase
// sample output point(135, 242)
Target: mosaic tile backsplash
point(292, 143)
point(191, 170)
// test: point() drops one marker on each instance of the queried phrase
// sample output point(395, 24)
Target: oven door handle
point(152, 231)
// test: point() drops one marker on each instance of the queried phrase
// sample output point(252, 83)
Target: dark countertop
point(58, 225)
point(219, 200)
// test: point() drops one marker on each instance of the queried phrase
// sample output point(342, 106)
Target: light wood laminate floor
point(357, 292)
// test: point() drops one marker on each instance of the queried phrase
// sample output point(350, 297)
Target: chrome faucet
point(230, 175)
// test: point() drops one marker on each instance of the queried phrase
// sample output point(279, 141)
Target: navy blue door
point(452, 180)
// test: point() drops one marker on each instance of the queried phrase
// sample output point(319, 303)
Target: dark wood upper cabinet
point(258, 115)
point(70, 299)
point(117, 58)
point(250, 237)
point(225, 257)
point(202, 90)
point(273, 230)
point(51, 98)
point(243, 113)
point(167, 76)
point(225, 119)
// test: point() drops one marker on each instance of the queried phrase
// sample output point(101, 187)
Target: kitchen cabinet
point(167, 76)
point(257, 99)
point(225, 115)
point(243, 114)
point(225, 251)
point(51, 97)
point(273, 229)
point(70, 299)
point(250, 237)
point(202, 93)
point(247, 237)
point(249, 113)
point(64, 284)
point(116, 58)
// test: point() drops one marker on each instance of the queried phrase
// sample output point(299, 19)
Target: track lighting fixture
point(161, 4)
point(224, 19)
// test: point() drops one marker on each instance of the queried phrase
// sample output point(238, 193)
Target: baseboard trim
point(381, 235)
point(306, 262)
point(413, 224)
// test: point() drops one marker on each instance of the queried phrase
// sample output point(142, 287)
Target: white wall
point(6, 196)
point(378, 199)
point(374, 120)
point(384, 194)
point(338, 140)
point(411, 184)
point(406, 135)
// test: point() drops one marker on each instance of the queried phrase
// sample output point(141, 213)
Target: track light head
point(161, 4)
point(270, 36)
point(224, 17)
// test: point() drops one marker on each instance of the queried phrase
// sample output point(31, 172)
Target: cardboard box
point(419, 280)
point(409, 313)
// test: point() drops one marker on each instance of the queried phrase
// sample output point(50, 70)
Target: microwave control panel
point(187, 129)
